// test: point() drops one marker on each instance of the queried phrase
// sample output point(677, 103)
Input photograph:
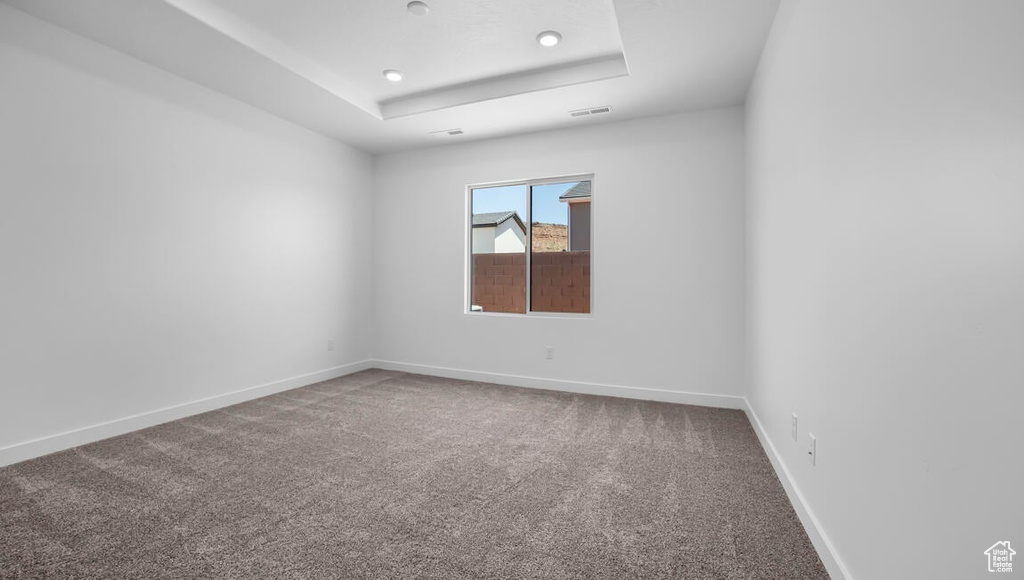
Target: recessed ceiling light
point(393, 75)
point(549, 38)
point(418, 8)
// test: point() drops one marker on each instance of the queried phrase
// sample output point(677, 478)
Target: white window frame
point(468, 248)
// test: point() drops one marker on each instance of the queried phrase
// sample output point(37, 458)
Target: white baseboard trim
point(824, 546)
point(61, 441)
point(826, 549)
point(647, 394)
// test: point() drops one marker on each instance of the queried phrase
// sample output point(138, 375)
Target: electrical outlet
point(795, 432)
point(330, 344)
point(549, 352)
point(812, 449)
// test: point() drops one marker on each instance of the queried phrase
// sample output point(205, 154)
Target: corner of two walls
point(166, 249)
point(668, 266)
point(173, 245)
point(885, 248)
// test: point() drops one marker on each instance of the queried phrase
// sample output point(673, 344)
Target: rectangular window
point(530, 246)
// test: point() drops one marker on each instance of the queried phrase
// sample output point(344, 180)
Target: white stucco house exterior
point(500, 232)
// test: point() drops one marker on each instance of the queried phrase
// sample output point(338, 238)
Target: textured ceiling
point(459, 41)
point(469, 64)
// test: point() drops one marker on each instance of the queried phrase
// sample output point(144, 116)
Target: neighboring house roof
point(495, 218)
point(581, 189)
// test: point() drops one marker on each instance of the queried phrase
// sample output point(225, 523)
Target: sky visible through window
point(546, 207)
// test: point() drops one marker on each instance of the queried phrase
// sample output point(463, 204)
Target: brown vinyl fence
point(561, 282)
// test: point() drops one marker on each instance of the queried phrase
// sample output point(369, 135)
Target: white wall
point(483, 240)
point(510, 238)
point(160, 243)
point(506, 238)
point(668, 265)
point(886, 189)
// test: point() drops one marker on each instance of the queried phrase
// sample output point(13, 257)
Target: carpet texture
point(390, 475)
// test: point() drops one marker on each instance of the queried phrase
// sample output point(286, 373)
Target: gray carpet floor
point(391, 475)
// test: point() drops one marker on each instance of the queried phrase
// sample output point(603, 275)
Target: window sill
point(556, 315)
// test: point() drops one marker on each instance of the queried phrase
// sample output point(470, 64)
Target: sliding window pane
point(498, 245)
point(560, 253)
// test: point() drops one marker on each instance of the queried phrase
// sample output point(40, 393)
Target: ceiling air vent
point(590, 111)
point(447, 132)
